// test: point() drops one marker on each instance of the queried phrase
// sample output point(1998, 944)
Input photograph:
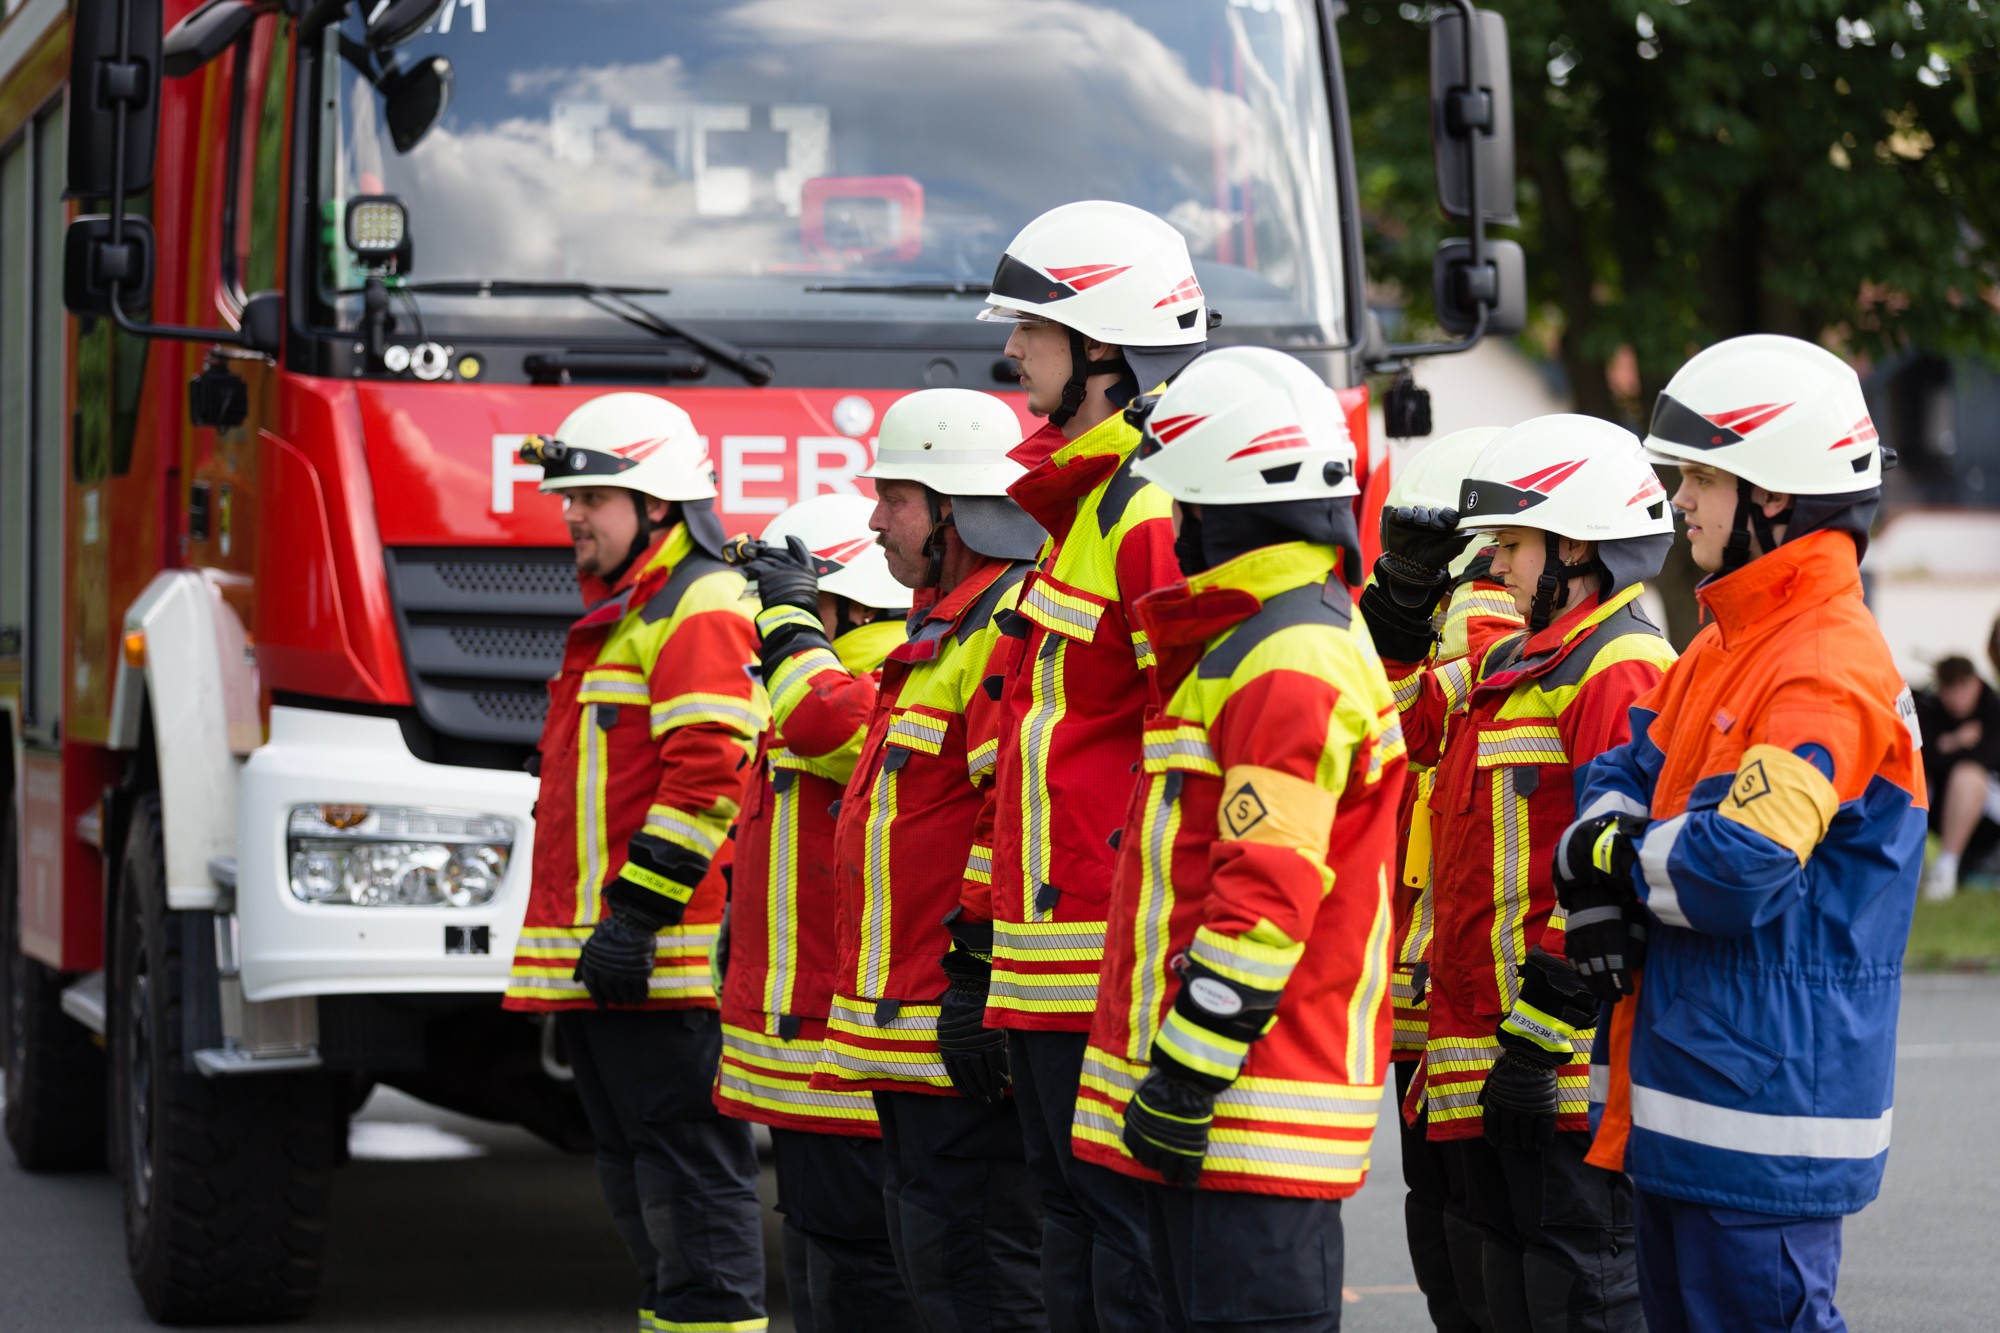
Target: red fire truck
point(283, 283)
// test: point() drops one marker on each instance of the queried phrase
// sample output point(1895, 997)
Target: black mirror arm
point(1396, 356)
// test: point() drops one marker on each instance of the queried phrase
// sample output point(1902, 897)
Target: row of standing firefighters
point(1073, 857)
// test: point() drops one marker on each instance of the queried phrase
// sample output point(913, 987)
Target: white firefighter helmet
point(1110, 272)
point(1576, 476)
point(635, 441)
point(1778, 412)
point(955, 441)
point(1248, 425)
point(1432, 478)
point(849, 563)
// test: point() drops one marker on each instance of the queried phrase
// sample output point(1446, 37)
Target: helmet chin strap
point(640, 539)
point(934, 544)
point(1081, 368)
point(1552, 589)
point(1750, 517)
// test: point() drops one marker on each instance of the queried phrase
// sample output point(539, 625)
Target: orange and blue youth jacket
point(650, 721)
point(906, 838)
point(782, 971)
point(1779, 763)
point(1260, 840)
point(1074, 714)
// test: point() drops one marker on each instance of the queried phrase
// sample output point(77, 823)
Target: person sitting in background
point(1960, 721)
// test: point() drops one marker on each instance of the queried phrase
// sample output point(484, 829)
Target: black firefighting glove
point(1518, 1102)
point(786, 576)
point(1552, 1009)
point(1418, 546)
point(975, 1056)
point(1605, 931)
point(718, 955)
point(1166, 1127)
point(615, 964)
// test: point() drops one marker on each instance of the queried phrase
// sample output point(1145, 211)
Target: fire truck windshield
point(840, 163)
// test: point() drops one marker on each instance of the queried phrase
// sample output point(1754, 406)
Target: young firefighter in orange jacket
point(1129, 316)
point(1242, 1028)
point(650, 721)
point(1477, 612)
point(1538, 1240)
point(831, 613)
point(1769, 813)
point(961, 1213)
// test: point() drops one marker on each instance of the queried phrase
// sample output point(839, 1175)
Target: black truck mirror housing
point(1459, 288)
point(1472, 111)
point(204, 35)
point(93, 266)
point(112, 71)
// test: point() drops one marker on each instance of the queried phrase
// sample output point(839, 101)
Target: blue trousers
point(1703, 1268)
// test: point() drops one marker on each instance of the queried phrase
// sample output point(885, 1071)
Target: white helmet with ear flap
point(845, 555)
point(957, 442)
point(1576, 476)
point(634, 441)
point(1248, 425)
point(1432, 478)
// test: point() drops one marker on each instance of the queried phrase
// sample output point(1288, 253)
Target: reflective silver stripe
point(1511, 874)
point(1523, 749)
point(1598, 1084)
point(1454, 1052)
point(1654, 849)
point(784, 900)
point(770, 1050)
point(800, 668)
point(1084, 622)
point(982, 759)
point(1155, 903)
point(923, 728)
point(1142, 647)
point(1455, 679)
point(1224, 1146)
point(918, 1062)
point(1331, 1103)
point(666, 823)
point(593, 823)
point(1405, 691)
point(1011, 986)
point(1035, 730)
point(1090, 1115)
point(1179, 749)
point(980, 862)
point(1183, 1037)
point(1007, 936)
point(1592, 916)
point(875, 931)
point(943, 457)
point(826, 1100)
point(861, 1015)
point(1094, 1063)
point(703, 710)
point(1450, 1098)
point(1206, 951)
point(1611, 803)
point(1752, 1132)
point(632, 689)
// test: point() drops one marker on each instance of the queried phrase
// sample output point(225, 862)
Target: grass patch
point(1963, 932)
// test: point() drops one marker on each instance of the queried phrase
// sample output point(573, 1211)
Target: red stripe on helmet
point(1085, 276)
point(1169, 429)
point(1188, 290)
point(640, 449)
point(1861, 432)
point(1548, 478)
point(1284, 437)
point(1743, 420)
point(847, 552)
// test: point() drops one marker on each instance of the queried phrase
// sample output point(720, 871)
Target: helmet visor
point(1674, 422)
point(561, 461)
point(1026, 283)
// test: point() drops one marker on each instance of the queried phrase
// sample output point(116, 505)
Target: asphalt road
point(443, 1223)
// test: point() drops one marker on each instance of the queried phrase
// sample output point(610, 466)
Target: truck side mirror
point(263, 323)
point(204, 35)
point(1472, 112)
point(94, 266)
point(1459, 288)
point(114, 76)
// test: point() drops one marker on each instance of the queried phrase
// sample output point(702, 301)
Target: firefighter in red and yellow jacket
point(961, 1213)
point(1537, 1238)
point(1128, 318)
point(1242, 1029)
point(1477, 612)
point(650, 722)
point(831, 613)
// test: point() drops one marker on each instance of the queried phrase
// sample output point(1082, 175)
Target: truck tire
point(225, 1180)
point(54, 1068)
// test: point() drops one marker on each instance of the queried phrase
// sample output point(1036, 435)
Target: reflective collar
point(1230, 593)
point(1061, 472)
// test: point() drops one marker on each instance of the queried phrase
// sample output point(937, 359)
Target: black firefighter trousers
point(679, 1178)
point(839, 1268)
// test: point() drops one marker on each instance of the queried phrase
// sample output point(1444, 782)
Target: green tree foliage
point(1695, 169)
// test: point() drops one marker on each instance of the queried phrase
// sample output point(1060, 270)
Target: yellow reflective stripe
point(1388, 744)
point(740, 715)
point(915, 731)
point(1036, 993)
point(613, 687)
point(1184, 747)
point(1510, 886)
point(1529, 743)
point(593, 854)
point(1542, 1028)
point(1061, 612)
point(1206, 1052)
point(1405, 690)
point(1047, 705)
point(1454, 680)
point(872, 966)
point(1142, 650)
point(1364, 1005)
point(662, 1325)
point(771, 618)
point(653, 882)
point(1160, 825)
point(1049, 941)
point(782, 902)
point(979, 865)
point(701, 834)
point(1264, 967)
point(982, 760)
point(793, 679)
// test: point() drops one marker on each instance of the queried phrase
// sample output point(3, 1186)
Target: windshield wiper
point(613, 301)
point(938, 288)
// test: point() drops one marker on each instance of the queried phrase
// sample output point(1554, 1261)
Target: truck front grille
point(482, 634)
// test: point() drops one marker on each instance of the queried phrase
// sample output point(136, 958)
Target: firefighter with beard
point(651, 719)
point(963, 1219)
point(1538, 1239)
point(1104, 304)
point(1476, 612)
point(831, 614)
point(1769, 815)
point(1241, 1032)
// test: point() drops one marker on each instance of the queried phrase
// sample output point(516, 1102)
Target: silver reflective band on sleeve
point(947, 457)
point(1611, 803)
point(1654, 850)
point(1598, 1086)
point(1749, 1131)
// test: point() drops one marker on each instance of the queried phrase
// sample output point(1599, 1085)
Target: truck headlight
point(396, 856)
